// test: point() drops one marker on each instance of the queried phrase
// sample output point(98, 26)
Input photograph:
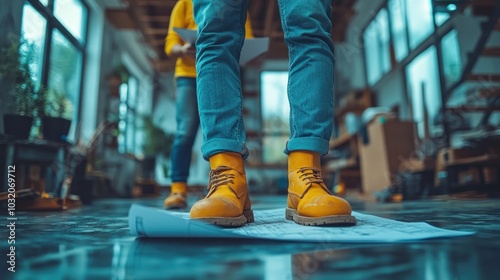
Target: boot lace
point(219, 178)
point(310, 175)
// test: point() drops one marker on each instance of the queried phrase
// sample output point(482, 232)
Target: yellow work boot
point(227, 203)
point(310, 203)
point(177, 197)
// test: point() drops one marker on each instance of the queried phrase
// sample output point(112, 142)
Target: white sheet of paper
point(250, 50)
point(271, 224)
point(188, 35)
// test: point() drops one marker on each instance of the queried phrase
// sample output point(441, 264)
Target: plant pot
point(55, 129)
point(148, 166)
point(17, 126)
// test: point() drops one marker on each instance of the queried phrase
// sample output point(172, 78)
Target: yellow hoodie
point(182, 17)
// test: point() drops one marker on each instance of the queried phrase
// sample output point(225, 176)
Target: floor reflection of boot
point(304, 266)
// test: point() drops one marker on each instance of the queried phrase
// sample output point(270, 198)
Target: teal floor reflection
point(93, 243)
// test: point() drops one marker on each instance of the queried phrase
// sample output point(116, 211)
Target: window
point(452, 63)
point(423, 82)
point(420, 22)
point(398, 28)
point(65, 70)
point(275, 116)
point(129, 133)
point(132, 116)
point(122, 115)
point(57, 35)
point(71, 13)
point(377, 47)
point(33, 28)
point(443, 11)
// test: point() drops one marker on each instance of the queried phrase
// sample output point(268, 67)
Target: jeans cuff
point(313, 144)
point(216, 146)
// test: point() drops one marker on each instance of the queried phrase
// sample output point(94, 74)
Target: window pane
point(72, 14)
point(452, 63)
point(420, 23)
point(132, 97)
point(272, 149)
point(33, 31)
point(275, 106)
point(441, 18)
point(44, 2)
point(275, 116)
point(422, 75)
point(397, 12)
point(65, 71)
point(377, 50)
point(443, 11)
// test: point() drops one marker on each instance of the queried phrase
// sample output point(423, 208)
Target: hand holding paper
point(250, 50)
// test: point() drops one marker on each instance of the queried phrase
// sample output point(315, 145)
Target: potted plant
point(56, 119)
point(15, 75)
point(157, 143)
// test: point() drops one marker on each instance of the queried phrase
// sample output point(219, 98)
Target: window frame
point(53, 23)
point(131, 119)
point(434, 39)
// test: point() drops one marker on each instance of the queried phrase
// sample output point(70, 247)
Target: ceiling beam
point(150, 18)
point(121, 19)
point(156, 31)
point(135, 12)
point(161, 3)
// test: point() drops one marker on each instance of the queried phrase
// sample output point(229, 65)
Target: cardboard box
point(390, 142)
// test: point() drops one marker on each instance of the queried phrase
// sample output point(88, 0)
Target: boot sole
point(231, 222)
point(334, 220)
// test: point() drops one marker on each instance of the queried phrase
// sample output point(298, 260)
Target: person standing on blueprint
point(187, 117)
point(307, 28)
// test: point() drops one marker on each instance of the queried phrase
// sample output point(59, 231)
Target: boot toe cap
point(324, 205)
point(215, 207)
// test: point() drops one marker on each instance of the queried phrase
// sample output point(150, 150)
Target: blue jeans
point(188, 121)
point(221, 31)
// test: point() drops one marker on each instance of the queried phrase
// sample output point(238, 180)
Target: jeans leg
point(307, 28)
point(187, 126)
point(221, 33)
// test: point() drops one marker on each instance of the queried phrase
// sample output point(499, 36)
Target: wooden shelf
point(488, 93)
point(494, 51)
point(342, 140)
point(472, 109)
point(342, 163)
point(484, 78)
point(478, 160)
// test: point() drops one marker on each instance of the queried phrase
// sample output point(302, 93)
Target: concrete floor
point(93, 242)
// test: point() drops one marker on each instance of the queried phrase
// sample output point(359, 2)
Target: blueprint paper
point(251, 47)
point(188, 35)
point(271, 224)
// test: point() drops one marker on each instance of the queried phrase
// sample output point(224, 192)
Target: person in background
point(307, 28)
point(187, 117)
